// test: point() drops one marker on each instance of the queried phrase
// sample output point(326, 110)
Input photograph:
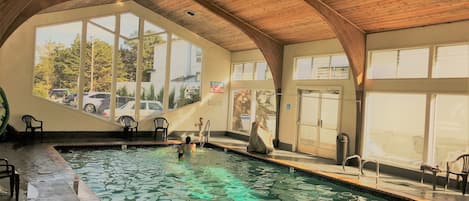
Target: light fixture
point(190, 12)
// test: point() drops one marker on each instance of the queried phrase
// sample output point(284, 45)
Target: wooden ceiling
point(204, 22)
point(384, 15)
point(293, 21)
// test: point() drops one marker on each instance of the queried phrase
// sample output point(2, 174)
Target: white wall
point(17, 63)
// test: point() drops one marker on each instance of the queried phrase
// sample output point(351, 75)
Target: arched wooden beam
point(13, 13)
point(270, 48)
point(350, 36)
point(353, 41)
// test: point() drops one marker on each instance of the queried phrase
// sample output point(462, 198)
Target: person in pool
point(186, 148)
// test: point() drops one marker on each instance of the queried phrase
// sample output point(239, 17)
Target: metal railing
point(205, 134)
point(361, 164)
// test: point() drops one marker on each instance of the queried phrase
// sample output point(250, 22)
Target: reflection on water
point(157, 174)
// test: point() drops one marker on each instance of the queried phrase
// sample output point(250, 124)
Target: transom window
point(405, 63)
point(321, 67)
point(251, 71)
point(451, 61)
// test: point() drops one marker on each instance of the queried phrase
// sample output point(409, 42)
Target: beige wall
point(290, 87)
point(17, 62)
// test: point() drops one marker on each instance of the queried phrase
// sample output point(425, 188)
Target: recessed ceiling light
point(190, 13)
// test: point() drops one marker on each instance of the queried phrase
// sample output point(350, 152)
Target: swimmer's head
point(188, 140)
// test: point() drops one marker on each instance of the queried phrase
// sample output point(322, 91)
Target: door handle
point(320, 123)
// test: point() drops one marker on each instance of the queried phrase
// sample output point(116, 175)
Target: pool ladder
point(205, 133)
point(361, 164)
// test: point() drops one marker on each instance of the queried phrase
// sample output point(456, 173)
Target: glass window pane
point(126, 75)
point(108, 22)
point(303, 70)
point(154, 72)
point(268, 74)
point(261, 70)
point(57, 63)
point(340, 66)
point(450, 128)
point(321, 69)
point(185, 71)
point(149, 28)
point(98, 71)
point(129, 26)
point(452, 61)
point(413, 63)
point(248, 71)
point(241, 119)
point(237, 71)
point(383, 65)
point(392, 120)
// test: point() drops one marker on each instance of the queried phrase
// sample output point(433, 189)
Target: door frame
point(298, 102)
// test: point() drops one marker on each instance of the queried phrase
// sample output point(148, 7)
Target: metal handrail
point(206, 130)
point(361, 164)
point(377, 168)
point(359, 158)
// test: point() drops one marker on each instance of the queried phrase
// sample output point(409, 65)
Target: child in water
point(186, 148)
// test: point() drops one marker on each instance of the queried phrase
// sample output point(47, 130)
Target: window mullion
point(138, 80)
point(397, 63)
point(169, 42)
point(115, 52)
point(81, 74)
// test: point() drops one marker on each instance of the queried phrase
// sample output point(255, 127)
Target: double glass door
point(318, 122)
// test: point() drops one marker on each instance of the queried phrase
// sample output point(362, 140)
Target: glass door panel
point(308, 121)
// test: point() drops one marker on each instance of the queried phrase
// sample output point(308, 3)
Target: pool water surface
point(156, 174)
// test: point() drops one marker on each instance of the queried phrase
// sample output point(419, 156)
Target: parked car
point(93, 100)
point(147, 108)
point(58, 95)
point(70, 100)
point(120, 101)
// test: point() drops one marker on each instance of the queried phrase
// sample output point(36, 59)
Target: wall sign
point(217, 87)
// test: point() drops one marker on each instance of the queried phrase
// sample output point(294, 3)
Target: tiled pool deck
point(46, 176)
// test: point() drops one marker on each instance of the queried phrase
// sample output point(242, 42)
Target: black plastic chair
point(8, 171)
point(162, 124)
point(32, 124)
point(463, 172)
point(130, 126)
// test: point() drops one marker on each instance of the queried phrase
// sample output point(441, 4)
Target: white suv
point(93, 100)
point(147, 108)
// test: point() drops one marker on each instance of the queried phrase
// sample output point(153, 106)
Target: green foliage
point(143, 97)
point(160, 95)
point(122, 91)
point(171, 103)
point(183, 100)
point(151, 95)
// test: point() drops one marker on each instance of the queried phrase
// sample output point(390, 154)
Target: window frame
point(314, 72)
point(396, 73)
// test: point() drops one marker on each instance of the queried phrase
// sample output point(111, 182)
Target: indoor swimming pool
point(155, 173)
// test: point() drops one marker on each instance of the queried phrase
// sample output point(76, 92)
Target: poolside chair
point(8, 171)
point(161, 123)
point(32, 124)
point(460, 168)
point(130, 126)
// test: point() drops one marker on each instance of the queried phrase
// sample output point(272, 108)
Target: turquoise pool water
point(156, 174)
